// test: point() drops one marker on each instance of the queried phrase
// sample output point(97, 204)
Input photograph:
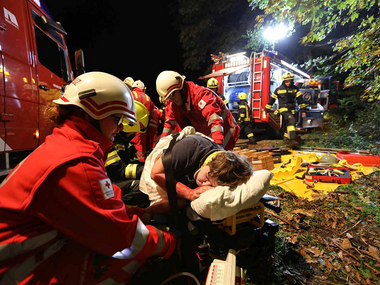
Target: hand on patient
point(195, 193)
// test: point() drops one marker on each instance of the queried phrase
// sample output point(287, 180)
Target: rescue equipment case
point(340, 175)
point(364, 159)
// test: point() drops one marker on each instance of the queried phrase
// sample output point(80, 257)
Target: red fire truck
point(34, 65)
point(259, 75)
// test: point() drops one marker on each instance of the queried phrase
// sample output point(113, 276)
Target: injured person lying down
point(216, 183)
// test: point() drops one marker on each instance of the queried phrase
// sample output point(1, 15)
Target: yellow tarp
point(285, 177)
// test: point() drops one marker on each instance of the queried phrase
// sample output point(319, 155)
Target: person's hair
point(59, 113)
point(230, 169)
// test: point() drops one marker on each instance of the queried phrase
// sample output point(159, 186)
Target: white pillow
point(222, 202)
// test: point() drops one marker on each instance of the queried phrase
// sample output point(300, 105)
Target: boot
point(252, 141)
point(293, 144)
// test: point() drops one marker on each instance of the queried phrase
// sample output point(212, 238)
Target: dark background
point(123, 38)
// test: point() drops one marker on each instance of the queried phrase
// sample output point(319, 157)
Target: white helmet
point(138, 84)
point(167, 82)
point(100, 95)
point(129, 81)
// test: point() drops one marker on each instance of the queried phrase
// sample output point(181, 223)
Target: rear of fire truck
point(34, 65)
point(259, 75)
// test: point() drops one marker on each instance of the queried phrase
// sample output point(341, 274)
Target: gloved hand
point(266, 111)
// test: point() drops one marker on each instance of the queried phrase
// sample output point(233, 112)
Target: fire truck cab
point(259, 75)
point(34, 66)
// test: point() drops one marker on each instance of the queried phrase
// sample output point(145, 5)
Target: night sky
point(123, 38)
point(131, 38)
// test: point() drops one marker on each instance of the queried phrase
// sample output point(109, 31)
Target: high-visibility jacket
point(286, 98)
point(59, 211)
point(206, 111)
point(244, 112)
point(144, 142)
point(122, 163)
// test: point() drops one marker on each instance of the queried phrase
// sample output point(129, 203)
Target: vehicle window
point(50, 51)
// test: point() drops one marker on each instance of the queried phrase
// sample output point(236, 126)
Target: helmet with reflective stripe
point(167, 82)
point(100, 95)
point(142, 116)
point(242, 96)
point(287, 76)
point(212, 83)
point(129, 81)
point(138, 84)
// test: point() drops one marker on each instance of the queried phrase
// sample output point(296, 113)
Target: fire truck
point(34, 66)
point(259, 75)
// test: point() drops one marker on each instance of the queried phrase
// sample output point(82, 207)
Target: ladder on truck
point(257, 64)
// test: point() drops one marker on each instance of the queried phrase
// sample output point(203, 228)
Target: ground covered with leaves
point(333, 239)
point(357, 123)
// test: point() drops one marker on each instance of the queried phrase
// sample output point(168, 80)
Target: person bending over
point(199, 165)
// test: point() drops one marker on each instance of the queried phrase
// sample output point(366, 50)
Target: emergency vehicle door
point(2, 98)
point(51, 60)
point(19, 102)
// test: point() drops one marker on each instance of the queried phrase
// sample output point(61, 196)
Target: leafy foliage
point(335, 234)
point(356, 23)
point(210, 26)
point(357, 123)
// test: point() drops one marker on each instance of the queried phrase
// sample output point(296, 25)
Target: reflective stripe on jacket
point(206, 111)
point(58, 209)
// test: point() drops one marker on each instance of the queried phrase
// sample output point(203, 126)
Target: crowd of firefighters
point(34, 226)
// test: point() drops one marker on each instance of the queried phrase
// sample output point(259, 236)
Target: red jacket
point(144, 142)
point(206, 111)
point(58, 209)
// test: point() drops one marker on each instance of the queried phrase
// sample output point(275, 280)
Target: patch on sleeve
point(202, 104)
point(107, 188)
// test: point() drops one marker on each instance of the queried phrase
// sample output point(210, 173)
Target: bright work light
point(274, 34)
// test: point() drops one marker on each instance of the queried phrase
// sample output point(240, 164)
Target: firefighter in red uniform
point(145, 142)
point(287, 93)
point(61, 219)
point(193, 105)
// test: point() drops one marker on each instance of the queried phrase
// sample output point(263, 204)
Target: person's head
point(169, 85)
point(139, 84)
point(129, 82)
point(287, 79)
point(100, 98)
point(226, 168)
point(213, 84)
point(142, 118)
point(242, 96)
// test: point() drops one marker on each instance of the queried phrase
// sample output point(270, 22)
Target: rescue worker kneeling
point(61, 219)
point(287, 93)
